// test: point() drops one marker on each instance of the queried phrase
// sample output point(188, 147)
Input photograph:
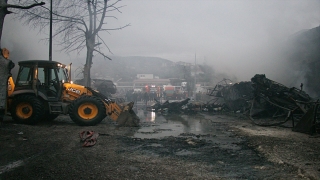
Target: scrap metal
point(172, 107)
point(230, 96)
point(274, 100)
point(263, 98)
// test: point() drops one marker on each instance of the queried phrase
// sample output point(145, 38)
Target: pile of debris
point(264, 98)
point(274, 100)
point(230, 97)
point(260, 98)
point(172, 107)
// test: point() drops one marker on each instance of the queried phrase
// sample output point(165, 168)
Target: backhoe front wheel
point(27, 109)
point(87, 111)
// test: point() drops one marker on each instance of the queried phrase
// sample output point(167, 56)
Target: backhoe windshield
point(62, 74)
point(52, 74)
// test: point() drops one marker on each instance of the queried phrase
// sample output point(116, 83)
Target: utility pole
point(50, 38)
point(195, 76)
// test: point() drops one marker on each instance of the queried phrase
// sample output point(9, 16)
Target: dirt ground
point(230, 148)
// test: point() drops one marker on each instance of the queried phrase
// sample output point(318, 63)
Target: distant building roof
point(151, 80)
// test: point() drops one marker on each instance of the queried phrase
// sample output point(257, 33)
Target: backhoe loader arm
point(113, 109)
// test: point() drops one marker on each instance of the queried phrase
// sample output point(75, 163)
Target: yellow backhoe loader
point(43, 90)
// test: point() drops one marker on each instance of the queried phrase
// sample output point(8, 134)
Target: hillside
point(127, 68)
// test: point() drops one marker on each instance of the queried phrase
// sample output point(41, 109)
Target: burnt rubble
point(272, 99)
point(263, 98)
point(172, 107)
point(230, 97)
point(264, 101)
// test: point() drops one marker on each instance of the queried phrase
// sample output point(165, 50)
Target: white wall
point(145, 76)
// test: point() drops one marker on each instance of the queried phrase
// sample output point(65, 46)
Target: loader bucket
point(119, 111)
point(128, 117)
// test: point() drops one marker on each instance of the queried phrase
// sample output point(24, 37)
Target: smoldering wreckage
point(49, 145)
point(264, 101)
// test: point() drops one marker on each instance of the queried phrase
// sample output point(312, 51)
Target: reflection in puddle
point(146, 116)
point(153, 116)
point(154, 125)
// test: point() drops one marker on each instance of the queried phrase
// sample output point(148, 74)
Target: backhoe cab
point(43, 90)
point(40, 78)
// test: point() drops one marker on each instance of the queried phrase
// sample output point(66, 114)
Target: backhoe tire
point(87, 111)
point(27, 109)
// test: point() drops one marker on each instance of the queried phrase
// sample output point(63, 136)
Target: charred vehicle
point(105, 87)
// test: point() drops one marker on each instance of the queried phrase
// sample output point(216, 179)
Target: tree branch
point(21, 7)
point(24, 7)
point(115, 28)
point(102, 17)
point(106, 57)
point(104, 43)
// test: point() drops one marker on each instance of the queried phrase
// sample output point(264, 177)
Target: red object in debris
point(89, 138)
point(169, 90)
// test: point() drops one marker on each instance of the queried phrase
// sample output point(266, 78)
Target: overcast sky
point(236, 37)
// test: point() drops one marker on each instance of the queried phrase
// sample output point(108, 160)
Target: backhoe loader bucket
point(128, 117)
point(122, 113)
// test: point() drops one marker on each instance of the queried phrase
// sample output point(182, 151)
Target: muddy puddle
point(204, 138)
point(158, 126)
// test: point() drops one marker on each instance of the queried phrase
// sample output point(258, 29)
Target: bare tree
point(5, 9)
point(79, 24)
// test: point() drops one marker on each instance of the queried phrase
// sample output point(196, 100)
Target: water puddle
point(154, 125)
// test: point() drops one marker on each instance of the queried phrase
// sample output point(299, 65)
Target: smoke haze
point(239, 38)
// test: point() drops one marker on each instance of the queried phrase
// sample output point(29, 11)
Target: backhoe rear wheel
point(27, 109)
point(87, 111)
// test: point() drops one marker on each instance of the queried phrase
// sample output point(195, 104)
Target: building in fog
point(145, 76)
point(143, 82)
